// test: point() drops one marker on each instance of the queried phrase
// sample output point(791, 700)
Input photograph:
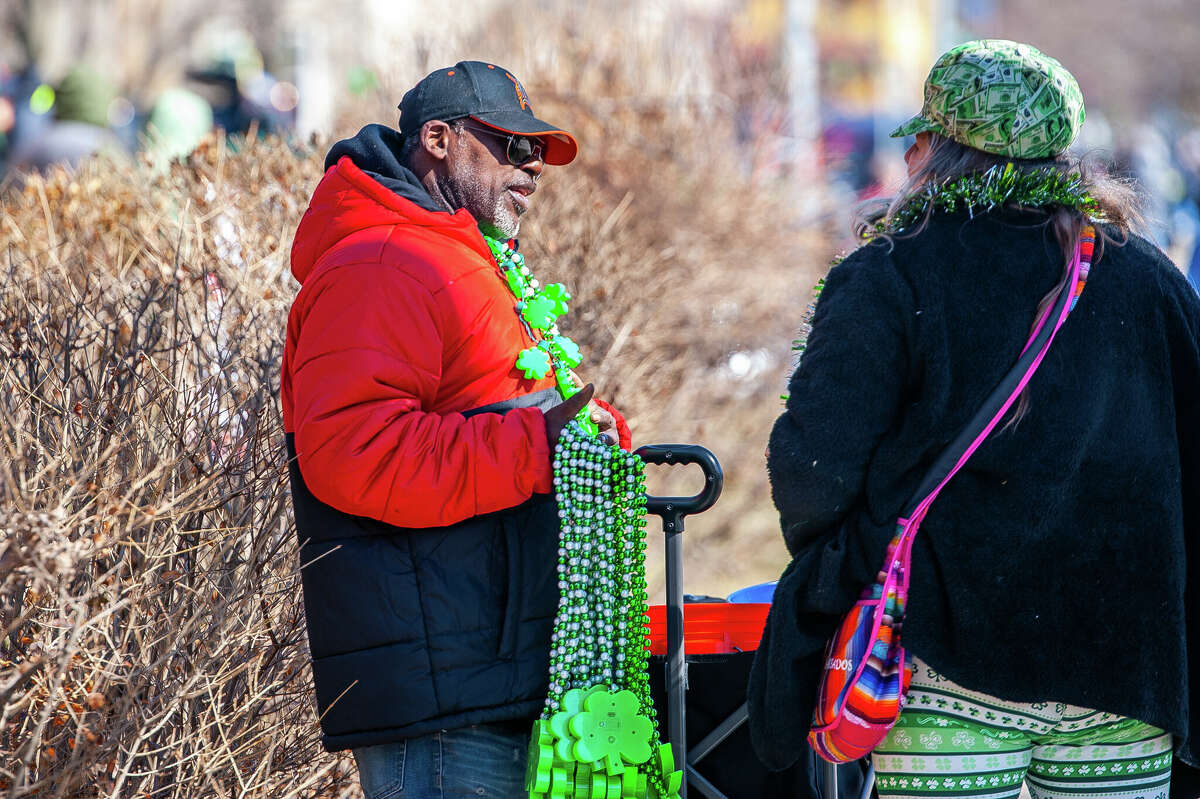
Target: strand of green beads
point(562, 647)
point(580, 564)
point(589, 671)
point(606, 577)
point(559, 641)
point(592, 451)
point(636, 608)
point(624, 568)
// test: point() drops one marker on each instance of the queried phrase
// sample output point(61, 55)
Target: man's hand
point(605, 422)
point(558, 416)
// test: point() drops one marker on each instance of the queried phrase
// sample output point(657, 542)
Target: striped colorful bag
point(866, 669)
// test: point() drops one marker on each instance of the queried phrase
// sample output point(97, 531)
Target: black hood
point(376, 150)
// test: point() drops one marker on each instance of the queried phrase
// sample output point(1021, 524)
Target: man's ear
point(435, 138)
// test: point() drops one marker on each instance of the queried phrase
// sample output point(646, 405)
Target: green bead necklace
point(538, 308)
point(598, 734)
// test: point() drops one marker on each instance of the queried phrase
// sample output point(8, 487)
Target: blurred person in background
point(80, 128)
point(178, 123)
point(243, 95)
point(1053, 605)
point(1188, 148)
point(24, 116)
point(420, 452)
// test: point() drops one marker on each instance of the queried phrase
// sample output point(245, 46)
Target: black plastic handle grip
point(673, 509)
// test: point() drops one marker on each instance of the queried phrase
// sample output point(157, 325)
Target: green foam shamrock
point(673, 783)
point(516, 283)
point(557, 293)
point(672, 777)
point(583, 781)
point(666, 758)
point(539, 312)
point(562, 782)
point(572, 704)
point(539, 764)
point(610, 731)
point(566, 349)
point(634, 783)
point(534, 363)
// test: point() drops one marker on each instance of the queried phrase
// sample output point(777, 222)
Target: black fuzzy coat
point(1061, 562)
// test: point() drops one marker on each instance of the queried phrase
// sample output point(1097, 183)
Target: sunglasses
point(519, 149)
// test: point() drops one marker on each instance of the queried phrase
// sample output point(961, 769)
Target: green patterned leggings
point(953, 742)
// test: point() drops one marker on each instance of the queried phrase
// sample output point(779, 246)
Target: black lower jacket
point(413, 631)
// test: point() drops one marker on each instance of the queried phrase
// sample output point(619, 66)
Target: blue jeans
point(485, 760)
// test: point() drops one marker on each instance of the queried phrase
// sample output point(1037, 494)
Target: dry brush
point(151, 630)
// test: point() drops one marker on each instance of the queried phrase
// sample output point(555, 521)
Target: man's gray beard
point(469, 192)
point(504, 220)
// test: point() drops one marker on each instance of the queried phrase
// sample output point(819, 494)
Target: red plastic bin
point(711, 628)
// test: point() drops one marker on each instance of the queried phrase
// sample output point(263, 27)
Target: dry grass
point(151, 631)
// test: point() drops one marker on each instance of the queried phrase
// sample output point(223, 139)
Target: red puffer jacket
point(403, 323)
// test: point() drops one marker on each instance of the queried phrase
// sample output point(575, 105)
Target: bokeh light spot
point(284, 96)
point(42, 99)
point(8, 115)
point(120, 112)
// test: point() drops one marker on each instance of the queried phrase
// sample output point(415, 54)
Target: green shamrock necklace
point(538, 308)
point(598, 736)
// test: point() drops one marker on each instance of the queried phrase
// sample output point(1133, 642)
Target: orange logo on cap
point(521, 95)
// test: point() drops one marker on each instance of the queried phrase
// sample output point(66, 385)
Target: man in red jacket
point(420, 453)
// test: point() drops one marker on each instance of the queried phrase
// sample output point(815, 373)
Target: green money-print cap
point(1002, 97)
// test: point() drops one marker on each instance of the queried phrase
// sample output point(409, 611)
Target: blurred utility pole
point(946, 27)
point(803, 82)
point(914, 33)
point(315, 82)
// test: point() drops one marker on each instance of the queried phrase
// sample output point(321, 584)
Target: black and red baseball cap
point(488, 94)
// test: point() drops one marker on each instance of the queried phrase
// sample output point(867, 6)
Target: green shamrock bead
point(584, 417)
point(673, 783)
point(664, 759)
point(539, 312)
point(642, 788)
point(567, 350)
point(534, 362)
point(516, 283)
point(629, 782)
point(611, 730)
point(558, 294)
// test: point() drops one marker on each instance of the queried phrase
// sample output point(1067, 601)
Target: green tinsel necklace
point(598, 735)
point(976, 193)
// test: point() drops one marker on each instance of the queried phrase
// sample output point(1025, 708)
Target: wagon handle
point(673, 509)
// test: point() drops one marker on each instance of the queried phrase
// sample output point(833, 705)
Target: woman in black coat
point(1053, 615)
